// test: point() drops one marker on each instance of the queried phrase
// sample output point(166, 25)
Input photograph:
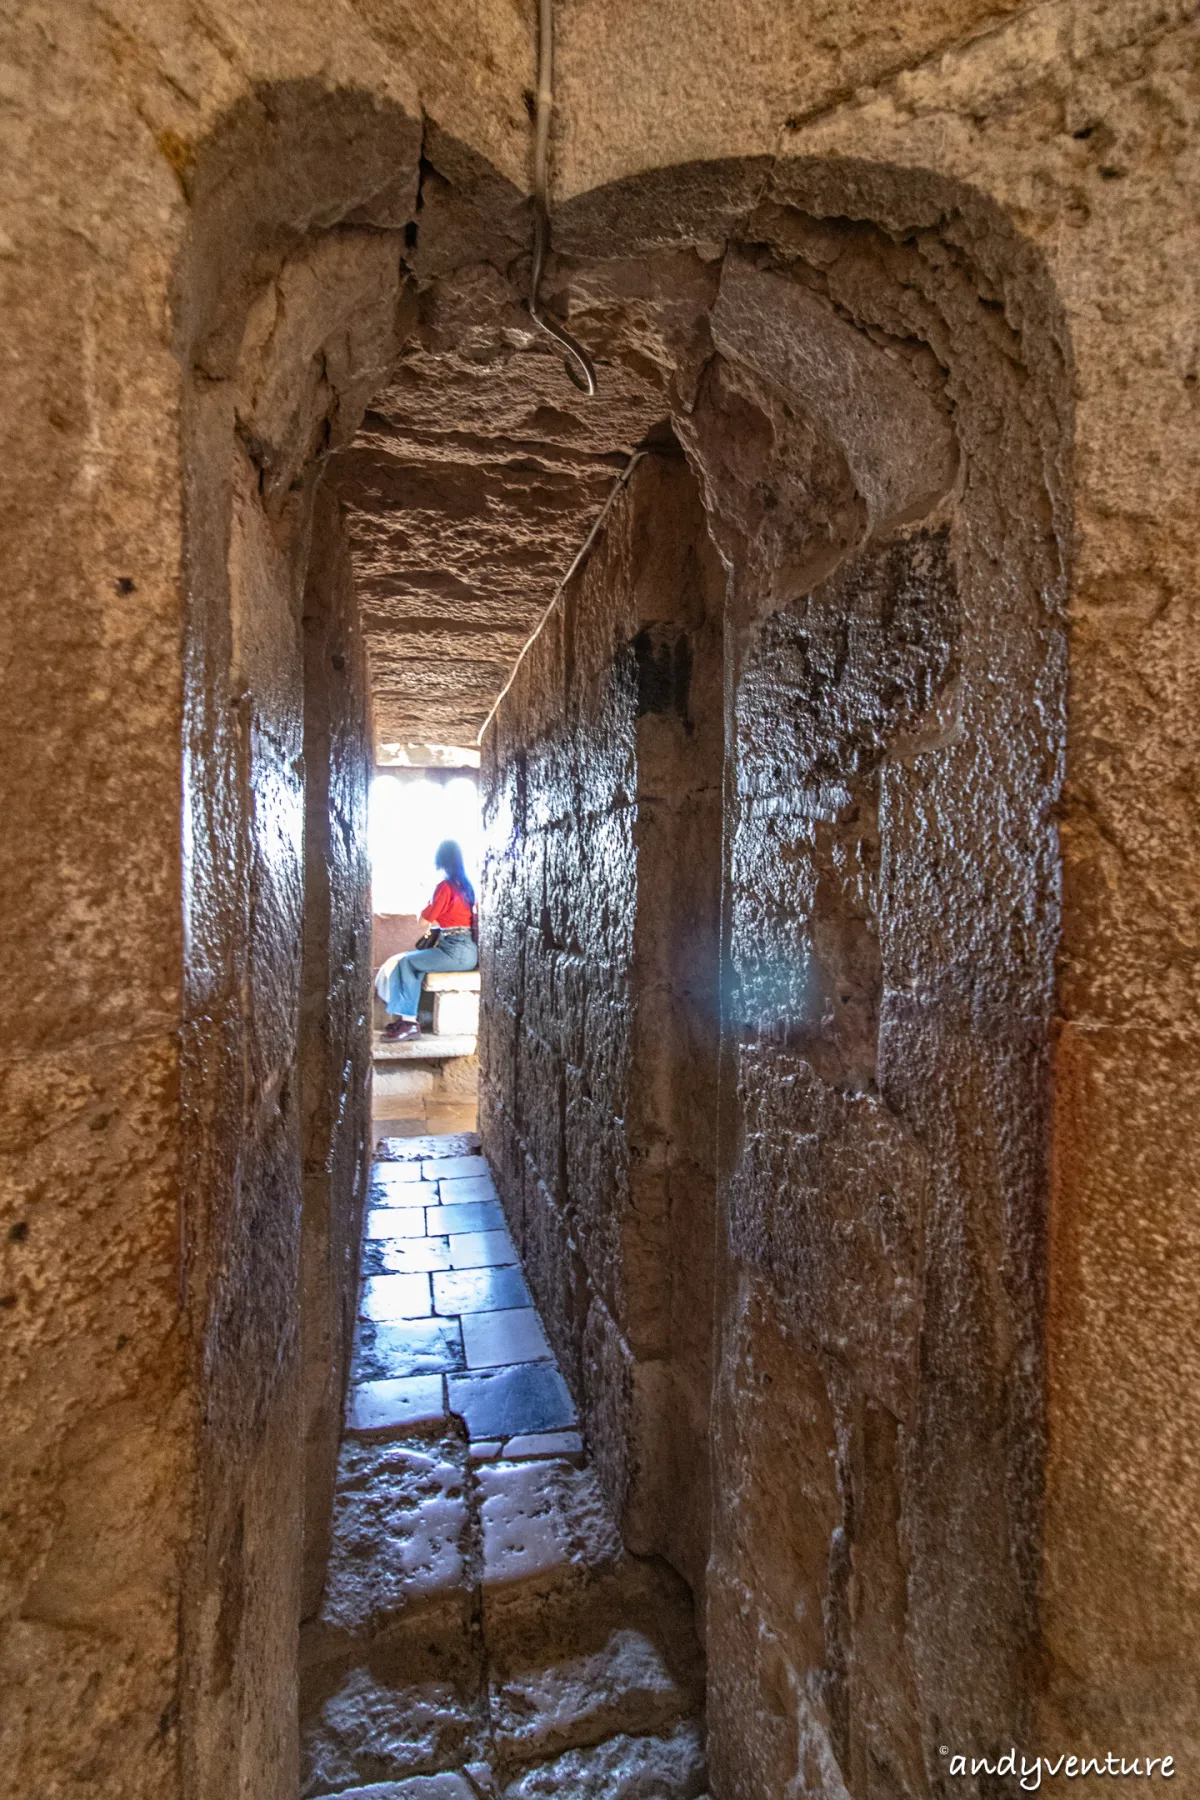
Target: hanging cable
point(577, 362)
point(589, 540)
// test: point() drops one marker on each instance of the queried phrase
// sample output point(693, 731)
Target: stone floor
point(483, 1631)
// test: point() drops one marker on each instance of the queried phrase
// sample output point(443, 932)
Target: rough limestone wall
point(895, 736)
point(335, 1019)
point(317, 338)
point(601, 779)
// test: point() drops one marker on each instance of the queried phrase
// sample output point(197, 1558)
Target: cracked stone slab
point(462, 1191)
point(669, 1767)
point(407, 1256)
point(471, 1215)
point(482, 1250)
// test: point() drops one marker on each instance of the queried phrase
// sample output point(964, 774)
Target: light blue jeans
point(454, 950)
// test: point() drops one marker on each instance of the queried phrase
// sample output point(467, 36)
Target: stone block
point(396, 1297)
point(456, 1014)
point(391, 1082)
point(625, 1685)
point(493, 1339)
point(510, 1402)
point(395, 1406)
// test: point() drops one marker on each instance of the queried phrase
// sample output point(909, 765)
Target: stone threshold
point(427, 1048)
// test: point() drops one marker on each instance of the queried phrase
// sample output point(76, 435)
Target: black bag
point(430, 940)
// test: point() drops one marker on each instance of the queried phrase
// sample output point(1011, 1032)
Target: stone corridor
point(797, 1380)
point(483, 1632)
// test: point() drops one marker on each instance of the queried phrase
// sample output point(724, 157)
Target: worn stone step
point(666, 1767)
point(401, 1545)
point(624, 1685)
point(413, 1702)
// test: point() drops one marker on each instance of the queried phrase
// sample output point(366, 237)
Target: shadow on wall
point(864, 554)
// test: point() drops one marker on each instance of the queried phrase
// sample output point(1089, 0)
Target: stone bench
point(455, 997)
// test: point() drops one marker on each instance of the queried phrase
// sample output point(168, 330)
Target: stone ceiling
point(474, 478)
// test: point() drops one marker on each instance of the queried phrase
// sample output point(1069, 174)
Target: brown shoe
point(401, 1029)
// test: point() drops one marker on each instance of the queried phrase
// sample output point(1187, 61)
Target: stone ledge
point(452, 981)
point(427, 1048)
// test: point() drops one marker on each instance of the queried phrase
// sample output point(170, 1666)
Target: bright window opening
point(407, 820)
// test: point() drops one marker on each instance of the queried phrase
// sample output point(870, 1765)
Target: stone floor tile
point(479, 1290)
point(400, 1536)
point(402, 1256)
point(528, 1397)
point(456, 1193)
point(387, 1177)
point(623, 1685)
point(544, 1443)
point(483, 1215)
point(455, 1168)
point(670, 1767)
point(396, 1221)
point(482, 1250)
point(493, 1339)
point(396, 1297)
point(396, 1405)
point(389, 1350)
point(525, 1537)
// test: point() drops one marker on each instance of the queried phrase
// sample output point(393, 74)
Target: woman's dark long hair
point(449, 859)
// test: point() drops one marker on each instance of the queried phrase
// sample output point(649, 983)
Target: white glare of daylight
point(406, 822)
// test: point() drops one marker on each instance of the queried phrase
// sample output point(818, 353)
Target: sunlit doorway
point(422, 794)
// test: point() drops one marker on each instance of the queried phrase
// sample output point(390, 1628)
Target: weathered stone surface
point(369, 1728)
point(624, 1687)
point(602, 1120)
point(399, 1539)
point(625, 1768)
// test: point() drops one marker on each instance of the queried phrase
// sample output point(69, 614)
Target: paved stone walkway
point(484, 1633)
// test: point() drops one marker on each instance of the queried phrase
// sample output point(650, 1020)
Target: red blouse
point(448, 908)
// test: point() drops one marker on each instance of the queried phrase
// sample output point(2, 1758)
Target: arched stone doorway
point(867, 373)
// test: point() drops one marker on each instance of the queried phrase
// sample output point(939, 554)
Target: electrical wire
point(576, 361)
point(576, 560)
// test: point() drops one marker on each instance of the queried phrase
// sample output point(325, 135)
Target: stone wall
point(276, 967)
point(598, 956)
point(335, 1018)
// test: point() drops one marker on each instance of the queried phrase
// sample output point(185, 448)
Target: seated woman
point(451, 913)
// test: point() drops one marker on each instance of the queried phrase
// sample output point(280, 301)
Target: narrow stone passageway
point(483, 1631)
